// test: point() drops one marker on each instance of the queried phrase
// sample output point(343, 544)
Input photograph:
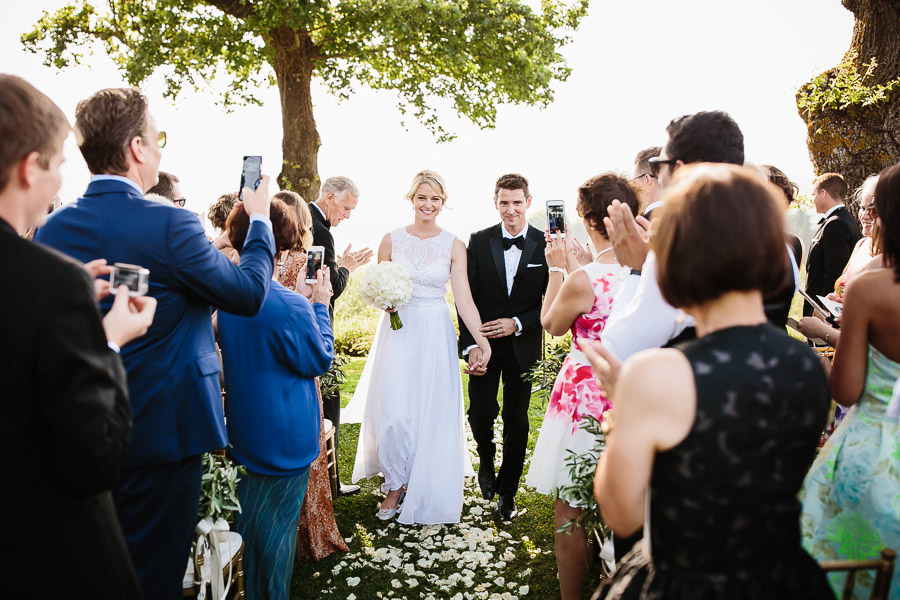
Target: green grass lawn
point(481, 557)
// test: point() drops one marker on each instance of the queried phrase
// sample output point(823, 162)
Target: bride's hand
point(390, 310)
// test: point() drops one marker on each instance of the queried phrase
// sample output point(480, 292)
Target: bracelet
point(636, 272)
point(557, 270)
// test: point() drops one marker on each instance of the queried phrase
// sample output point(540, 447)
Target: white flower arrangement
point(385, 286)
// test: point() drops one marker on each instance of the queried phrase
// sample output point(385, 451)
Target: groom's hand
point(499, 328)
point(475, 367)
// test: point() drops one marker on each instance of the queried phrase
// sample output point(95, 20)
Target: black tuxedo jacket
point(830, 250)
point(65, 423)
point(487, 278)
point(322, 237)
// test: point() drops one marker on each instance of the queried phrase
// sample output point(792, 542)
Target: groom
point(508, 276)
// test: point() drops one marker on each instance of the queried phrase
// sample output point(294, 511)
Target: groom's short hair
point(512, 181)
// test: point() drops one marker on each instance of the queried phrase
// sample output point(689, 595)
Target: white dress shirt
point(511, 259)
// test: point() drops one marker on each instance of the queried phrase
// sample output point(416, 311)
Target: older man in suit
point(66, 418)
point(508, 276)
point(338, 196)
point(173, 371)
point(834, 240)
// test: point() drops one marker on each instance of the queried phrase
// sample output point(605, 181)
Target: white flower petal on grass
point(351, 597)
point(353, 581)
point(523, 591)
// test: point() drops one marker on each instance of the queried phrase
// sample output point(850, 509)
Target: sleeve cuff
point(469, 349)
point(518, 325)
point(114, 347)
point(265, 220)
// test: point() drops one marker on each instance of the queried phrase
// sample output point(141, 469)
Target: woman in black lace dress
point(712, 439)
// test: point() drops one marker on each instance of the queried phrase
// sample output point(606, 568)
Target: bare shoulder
point(384, 248)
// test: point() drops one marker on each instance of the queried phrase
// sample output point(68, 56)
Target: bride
point(410, 392)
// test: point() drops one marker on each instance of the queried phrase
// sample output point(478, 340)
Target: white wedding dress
point(409, 397)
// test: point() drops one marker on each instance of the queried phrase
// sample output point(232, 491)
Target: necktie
point(518, 242)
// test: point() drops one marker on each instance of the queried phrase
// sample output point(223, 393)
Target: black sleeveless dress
point(724, 514)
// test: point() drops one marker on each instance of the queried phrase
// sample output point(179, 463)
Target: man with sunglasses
point(173, 371)
point(168, 187)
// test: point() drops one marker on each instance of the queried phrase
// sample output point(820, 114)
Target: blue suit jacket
point(173, 370)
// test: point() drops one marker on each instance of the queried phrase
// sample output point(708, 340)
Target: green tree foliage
point(472, 54)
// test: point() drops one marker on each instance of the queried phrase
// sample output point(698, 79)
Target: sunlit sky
point(635, 66)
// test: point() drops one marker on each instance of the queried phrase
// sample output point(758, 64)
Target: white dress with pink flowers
point(576, 392)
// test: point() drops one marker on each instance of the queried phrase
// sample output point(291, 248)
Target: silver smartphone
point(251, 173)
point(556, 218)
point(315, 257)
point(135, 278)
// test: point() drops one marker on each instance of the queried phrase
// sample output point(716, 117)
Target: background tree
point(852, 112)
point(470, 54)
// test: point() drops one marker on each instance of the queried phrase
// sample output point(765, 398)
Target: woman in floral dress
point(851, 497)
point(581, 304)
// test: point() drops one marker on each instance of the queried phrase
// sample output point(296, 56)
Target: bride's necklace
point(602, 252)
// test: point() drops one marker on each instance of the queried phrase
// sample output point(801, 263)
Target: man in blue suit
point(173, 371)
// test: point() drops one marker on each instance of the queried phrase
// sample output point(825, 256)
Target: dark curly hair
point(597, 193)
point(284, 225)
point(220, 209)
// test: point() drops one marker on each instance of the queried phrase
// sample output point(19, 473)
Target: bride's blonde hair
point(432, 179)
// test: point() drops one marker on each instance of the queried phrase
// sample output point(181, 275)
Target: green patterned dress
point(851, 496)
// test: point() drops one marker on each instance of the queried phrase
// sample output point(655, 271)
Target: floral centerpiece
point(386, 286)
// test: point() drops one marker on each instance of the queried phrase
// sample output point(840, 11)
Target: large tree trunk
point(293, 62)
point(858, 142)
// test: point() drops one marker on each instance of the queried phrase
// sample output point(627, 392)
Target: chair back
point(883, 567)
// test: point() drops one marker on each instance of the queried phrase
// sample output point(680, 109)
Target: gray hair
point(339, 185)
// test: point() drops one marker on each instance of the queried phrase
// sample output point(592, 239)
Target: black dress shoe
point(348, 490)
point(506, 507)
point(486, 481)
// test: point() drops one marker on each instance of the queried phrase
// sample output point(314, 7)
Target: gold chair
point(191, 584)
point(883, 567)
point(331, 456)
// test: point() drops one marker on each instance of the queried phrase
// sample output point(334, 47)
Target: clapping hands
point(629, 236)
point(353, 260)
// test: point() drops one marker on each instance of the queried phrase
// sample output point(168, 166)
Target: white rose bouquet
point(386, 285)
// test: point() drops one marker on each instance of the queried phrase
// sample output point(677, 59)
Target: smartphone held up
point(251, 174)
point(556, 218)
point(315, 257)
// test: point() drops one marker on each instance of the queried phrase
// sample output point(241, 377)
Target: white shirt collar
point(654, 206)
point(130, 182)
point(507, 234)
point(321, 212)
point(831, 210)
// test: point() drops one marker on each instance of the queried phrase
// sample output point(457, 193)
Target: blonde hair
point(304, 218)
point(432, 179)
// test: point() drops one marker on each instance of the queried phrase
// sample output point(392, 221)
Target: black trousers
point(157, 509)
point(331, 410)
point(483, 411)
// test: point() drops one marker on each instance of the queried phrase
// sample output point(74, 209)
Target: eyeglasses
point(868, 210)
point(179, 201)
point(161, 141)
point(645, 174)
point(657, 161)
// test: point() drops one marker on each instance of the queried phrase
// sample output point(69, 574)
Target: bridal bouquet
point(386, 285)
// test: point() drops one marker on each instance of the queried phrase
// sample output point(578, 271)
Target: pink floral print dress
point(576, 392)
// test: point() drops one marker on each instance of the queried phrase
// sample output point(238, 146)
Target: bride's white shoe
point(386, 514)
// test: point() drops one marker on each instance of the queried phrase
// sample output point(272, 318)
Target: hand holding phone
point(251, 173)
point(556, 218)
point(315, 257)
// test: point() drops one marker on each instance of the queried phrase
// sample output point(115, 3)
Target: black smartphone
point(250, 174)
point(556, 218)
point(315, 256)
point(817, 306)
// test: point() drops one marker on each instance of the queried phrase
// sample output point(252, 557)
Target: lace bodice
point(428, 263)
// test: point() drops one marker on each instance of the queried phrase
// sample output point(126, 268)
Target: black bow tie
point(820, 221)
point(518, 242)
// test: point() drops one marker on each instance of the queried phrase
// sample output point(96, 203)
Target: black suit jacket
point(829, 252)
point(487, 278)
point(64, 429)
point(322, 237)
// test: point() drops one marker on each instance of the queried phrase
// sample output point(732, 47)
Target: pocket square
point(537, 265)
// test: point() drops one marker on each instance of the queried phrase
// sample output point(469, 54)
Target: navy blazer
point(173, 370)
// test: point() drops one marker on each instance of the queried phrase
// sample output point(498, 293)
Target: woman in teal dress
point(851, 496)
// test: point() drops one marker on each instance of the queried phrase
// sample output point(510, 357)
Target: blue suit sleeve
point(307, 341)
point(208, 274)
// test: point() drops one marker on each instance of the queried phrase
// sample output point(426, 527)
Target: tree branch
point(236, 8)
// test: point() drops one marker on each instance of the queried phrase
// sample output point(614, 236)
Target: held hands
point(498, 328)
point(321, 290)
point(478, 360)
point(353, 260)
point(129, 317)
point(629, 236)
point(256, 202)
point(606, 365)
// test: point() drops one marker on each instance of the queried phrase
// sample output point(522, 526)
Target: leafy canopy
point(844, 87)
point(474, 54)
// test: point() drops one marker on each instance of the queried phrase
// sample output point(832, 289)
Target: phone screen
point(556, 217)
point(250, 174)
point(314, 258)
